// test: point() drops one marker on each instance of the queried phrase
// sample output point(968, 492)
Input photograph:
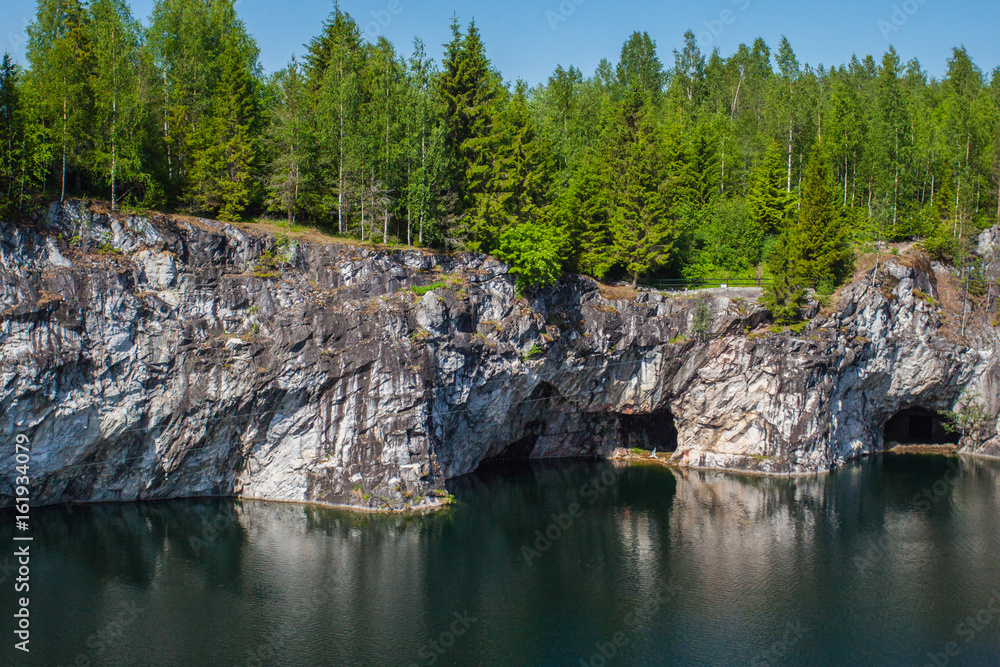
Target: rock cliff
point(159, 357)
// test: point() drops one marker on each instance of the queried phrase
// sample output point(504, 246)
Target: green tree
point(116, 38)
point(534, 252)
point(510, 180)
point(770, 205)
point(820, 242)
point(642, 230)
point(225, 148)
point(59, 54)
point(640, 71)
point(333, 63)
point(468, 89)
point(428, 161)
point(784, 295)
point(288, 141)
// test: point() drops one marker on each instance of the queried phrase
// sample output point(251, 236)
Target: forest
point(689, 166)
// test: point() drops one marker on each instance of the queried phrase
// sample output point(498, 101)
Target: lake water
point(893, 561)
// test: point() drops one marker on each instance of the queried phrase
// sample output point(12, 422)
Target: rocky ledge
point(162, 357)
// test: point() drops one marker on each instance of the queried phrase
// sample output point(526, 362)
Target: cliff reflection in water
point(538, 564)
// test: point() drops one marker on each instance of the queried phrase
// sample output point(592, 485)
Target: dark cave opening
point(918, 426)
point(655, 430)
point(533, 412)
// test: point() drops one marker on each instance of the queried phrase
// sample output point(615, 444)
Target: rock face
point(167, 357)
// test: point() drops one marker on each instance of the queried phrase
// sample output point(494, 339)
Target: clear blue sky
point(528, 38)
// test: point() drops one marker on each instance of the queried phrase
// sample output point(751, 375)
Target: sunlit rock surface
point(166, 357)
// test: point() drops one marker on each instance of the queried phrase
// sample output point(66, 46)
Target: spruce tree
point(510, 180)
point(642, 231)
point(770, 206)
point(468, 90)
point(819, 237)
point(784, 295)
point(225, 148)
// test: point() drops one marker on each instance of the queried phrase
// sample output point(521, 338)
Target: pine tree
point(640, 71)
point(582, 213)
point(469, 90)
point(512, 182)
point(784, 295)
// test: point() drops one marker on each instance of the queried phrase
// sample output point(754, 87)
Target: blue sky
point(528, 38)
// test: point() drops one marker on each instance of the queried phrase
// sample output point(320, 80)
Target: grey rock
point(167, 368)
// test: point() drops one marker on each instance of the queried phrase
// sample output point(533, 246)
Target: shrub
point(532, 251)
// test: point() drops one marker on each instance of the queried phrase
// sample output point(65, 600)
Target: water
point(691, 569)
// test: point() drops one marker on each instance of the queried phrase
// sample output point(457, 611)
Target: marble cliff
point(161, 357)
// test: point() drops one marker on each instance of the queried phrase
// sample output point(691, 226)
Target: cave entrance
point(655, 430)
point(532, 413)
point(918, 426)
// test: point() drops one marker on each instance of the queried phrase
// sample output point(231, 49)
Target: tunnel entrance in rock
point(918, 426)
point(655, 430)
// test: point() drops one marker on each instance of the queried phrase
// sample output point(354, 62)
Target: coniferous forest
point(683, 165)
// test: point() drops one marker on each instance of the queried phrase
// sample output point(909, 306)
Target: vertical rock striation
point(166, 357)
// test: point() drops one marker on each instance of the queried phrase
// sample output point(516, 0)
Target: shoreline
point(664, 460)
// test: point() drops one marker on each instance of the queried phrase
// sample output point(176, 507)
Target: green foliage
point(784, 296)
point(421, 290)
point(534, 254)
point(770, 205)
point(535, 352)
point(970, 416)
point(710, 170)
point(821, 251)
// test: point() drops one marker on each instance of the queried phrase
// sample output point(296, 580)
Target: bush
point(532, 251)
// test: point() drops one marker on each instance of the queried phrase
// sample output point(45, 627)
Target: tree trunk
point(789, 157)
point(62, 194)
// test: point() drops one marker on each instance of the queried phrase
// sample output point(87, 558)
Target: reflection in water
point(537, 564)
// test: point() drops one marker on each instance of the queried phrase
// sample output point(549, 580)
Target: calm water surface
point(888, 562)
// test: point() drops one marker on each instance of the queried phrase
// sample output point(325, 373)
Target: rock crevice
point(167, 357)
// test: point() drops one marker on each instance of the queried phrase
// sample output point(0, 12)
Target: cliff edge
point(154, 357)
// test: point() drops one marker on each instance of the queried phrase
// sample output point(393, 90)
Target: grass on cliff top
point(617, 292)
point(313, 235)
point(263, 226)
